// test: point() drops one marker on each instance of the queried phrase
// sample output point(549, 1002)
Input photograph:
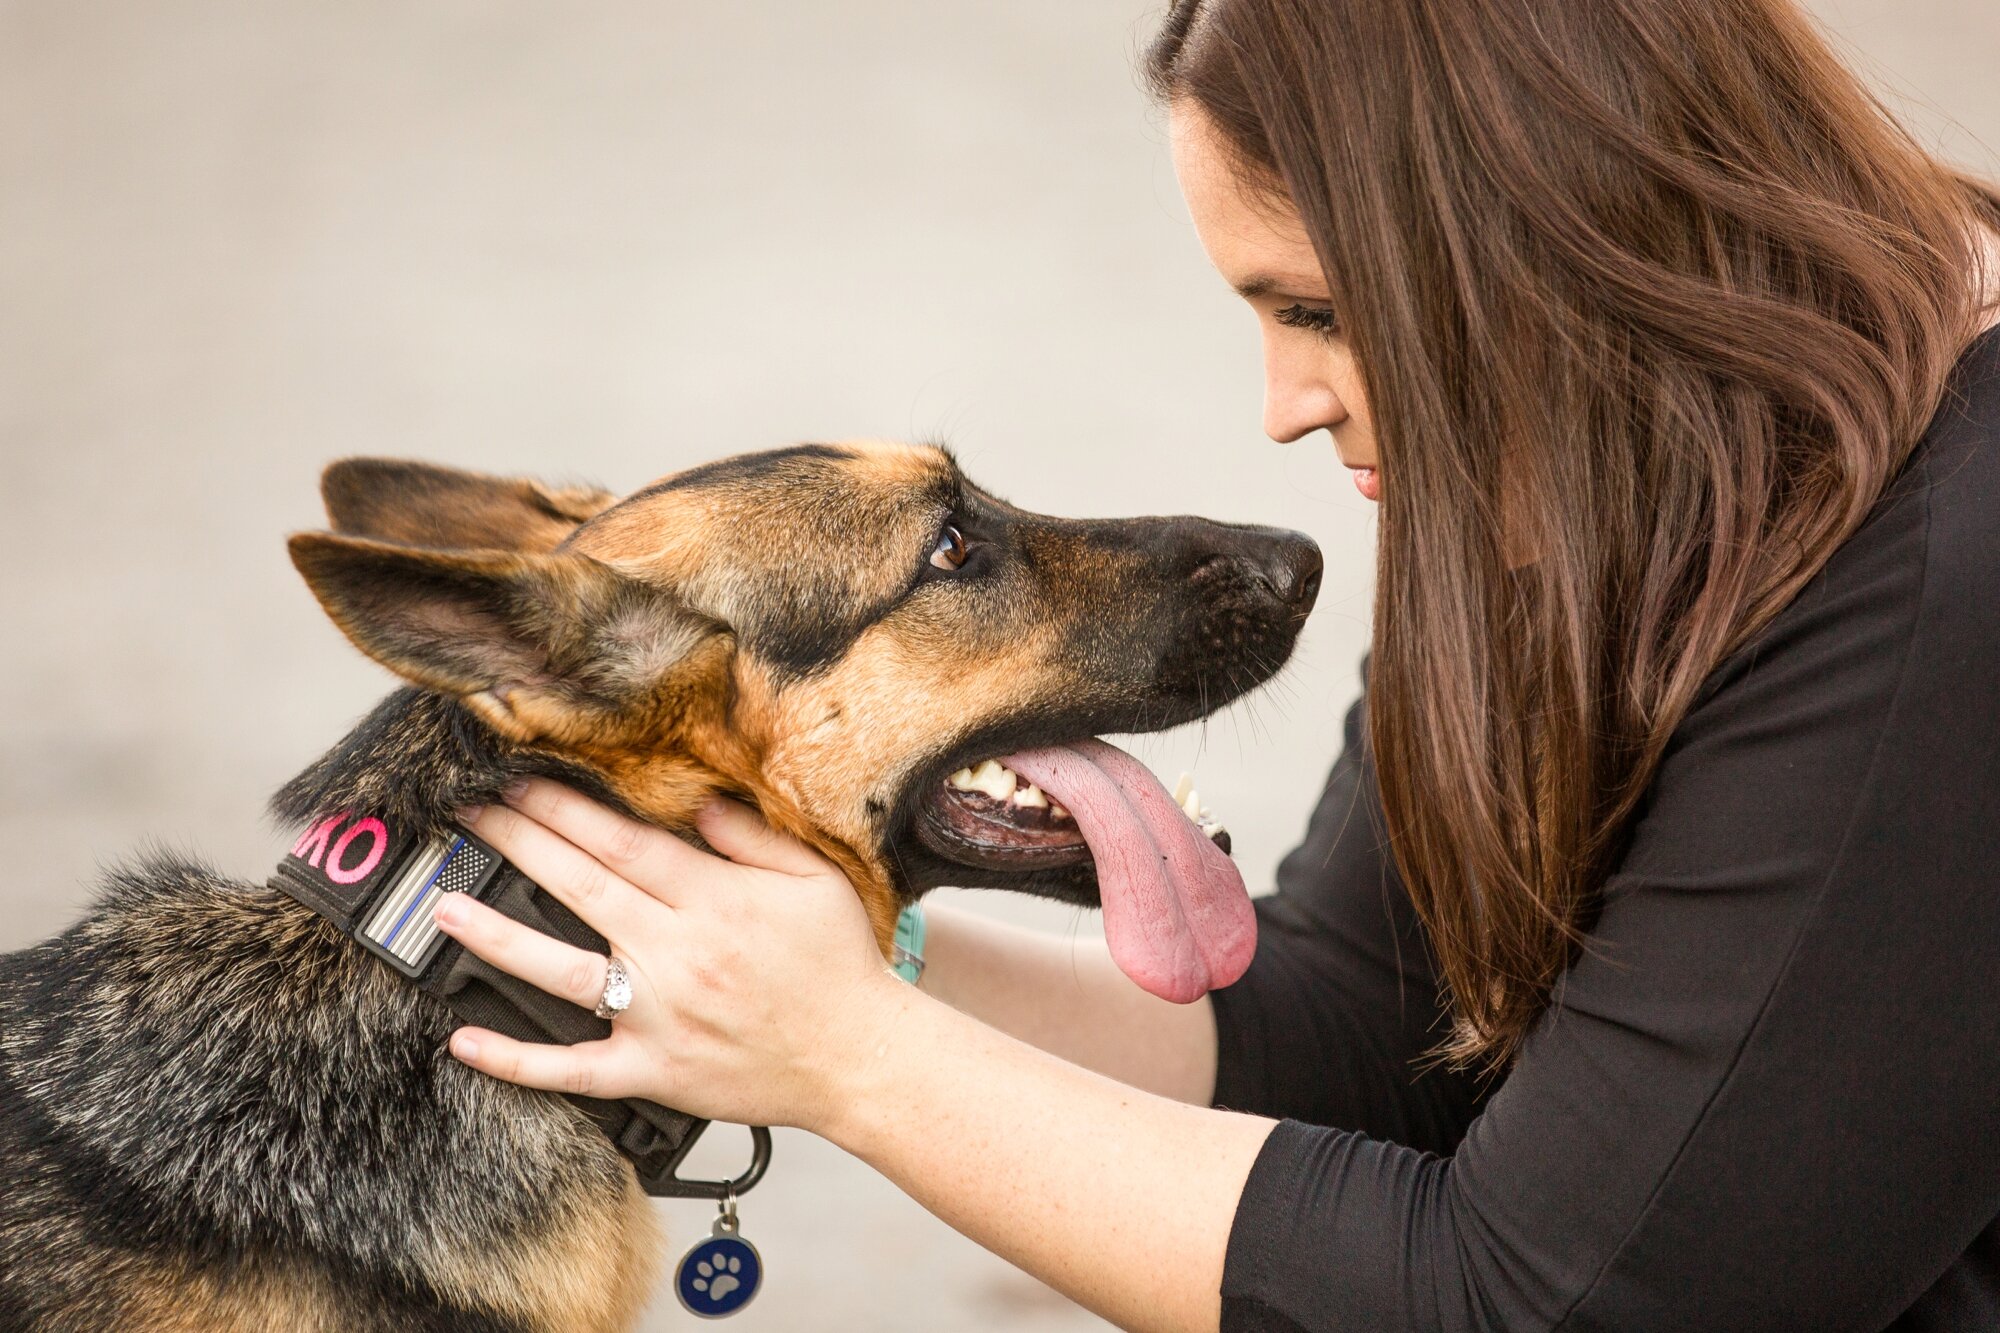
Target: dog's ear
point(423, 504)
point(540, 647)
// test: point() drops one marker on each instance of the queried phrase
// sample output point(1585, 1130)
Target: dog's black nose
point(1285, 565)
point(1293, 570)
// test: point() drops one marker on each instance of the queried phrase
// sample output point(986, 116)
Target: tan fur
point(719, 546)
point(895, 698)
point(592, 1272)
point(164, 1301)
point(418, 504)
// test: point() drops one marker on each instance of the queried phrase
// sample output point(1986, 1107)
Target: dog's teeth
point(961, 779)
point(1189, 800)
point(994, 780)
point(1056, 810)
point(1031, 796)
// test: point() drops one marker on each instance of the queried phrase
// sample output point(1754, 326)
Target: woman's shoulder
point(1917, 585)
point(1955, 478)
point(1824, 818)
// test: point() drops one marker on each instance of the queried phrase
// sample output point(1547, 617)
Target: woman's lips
point(1368, 483)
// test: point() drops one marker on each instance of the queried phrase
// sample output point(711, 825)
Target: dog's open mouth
point(994, 817)
point(991, 816)
point(1176, 914)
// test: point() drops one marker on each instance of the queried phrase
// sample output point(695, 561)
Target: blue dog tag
point(719, 1276)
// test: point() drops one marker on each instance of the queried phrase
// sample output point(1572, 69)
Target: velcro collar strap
point(382, 889)
point(380, 886)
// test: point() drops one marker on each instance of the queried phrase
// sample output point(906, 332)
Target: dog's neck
point(413, 761)
point(419, 757)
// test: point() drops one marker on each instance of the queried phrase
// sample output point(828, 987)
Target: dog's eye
point(949, 553)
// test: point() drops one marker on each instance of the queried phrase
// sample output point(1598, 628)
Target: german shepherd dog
point(219, 1113)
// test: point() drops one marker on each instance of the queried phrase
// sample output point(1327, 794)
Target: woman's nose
point(1292, 412)
point(1298, 399)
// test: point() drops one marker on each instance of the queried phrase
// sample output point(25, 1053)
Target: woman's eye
point(1318, 319)
point(949, 554)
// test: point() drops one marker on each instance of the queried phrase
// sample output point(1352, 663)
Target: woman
point(1656, 988)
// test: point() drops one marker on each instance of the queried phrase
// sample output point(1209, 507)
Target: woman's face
point(1259, 245)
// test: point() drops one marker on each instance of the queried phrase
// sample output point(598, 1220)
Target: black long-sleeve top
point(1767, 1096)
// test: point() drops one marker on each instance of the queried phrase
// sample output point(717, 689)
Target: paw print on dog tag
point(720, 1275)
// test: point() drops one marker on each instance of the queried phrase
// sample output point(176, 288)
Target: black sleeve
point(1333, 1019)
point(1768, 1094)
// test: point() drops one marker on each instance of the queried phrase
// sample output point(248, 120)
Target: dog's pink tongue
point(1176, 914)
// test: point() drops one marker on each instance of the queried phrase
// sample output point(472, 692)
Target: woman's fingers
point(563, 970)
point(607, 1069)
point(650, 858)
point(742, 834)
point(582, 883)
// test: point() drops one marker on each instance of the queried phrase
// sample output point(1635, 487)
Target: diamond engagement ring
point(617, 997)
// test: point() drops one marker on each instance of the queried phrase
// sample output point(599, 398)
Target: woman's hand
point(757, 984)
point(759, 997)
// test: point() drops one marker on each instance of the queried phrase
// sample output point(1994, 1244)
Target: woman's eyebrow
point(1263, 284)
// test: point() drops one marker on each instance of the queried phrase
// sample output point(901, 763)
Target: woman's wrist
point(858, 1072)
point(1065, 995)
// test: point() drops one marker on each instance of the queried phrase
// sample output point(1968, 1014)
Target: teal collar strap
point(906, 957)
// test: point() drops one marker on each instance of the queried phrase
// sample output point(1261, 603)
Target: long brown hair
point(1673, 273)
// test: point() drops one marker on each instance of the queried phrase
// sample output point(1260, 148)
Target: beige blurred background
point(606, 241)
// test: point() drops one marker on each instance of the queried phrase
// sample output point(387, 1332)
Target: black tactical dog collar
point(379, 887)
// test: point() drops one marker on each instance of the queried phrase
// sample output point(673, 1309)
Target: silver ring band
point(617, 997)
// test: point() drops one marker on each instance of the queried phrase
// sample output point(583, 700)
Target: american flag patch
point(401, 928)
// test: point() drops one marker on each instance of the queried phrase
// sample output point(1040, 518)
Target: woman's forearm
point(1067, 997)
point(1118, 1198)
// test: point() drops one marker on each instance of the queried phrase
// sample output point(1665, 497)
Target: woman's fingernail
point(450, 912)
point(514, 790)
point(464, 1045)
point(468, 814)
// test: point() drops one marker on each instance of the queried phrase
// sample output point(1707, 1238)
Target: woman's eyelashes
point(1315, 318)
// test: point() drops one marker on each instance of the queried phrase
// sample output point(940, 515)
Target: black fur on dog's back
point(202, 1077)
